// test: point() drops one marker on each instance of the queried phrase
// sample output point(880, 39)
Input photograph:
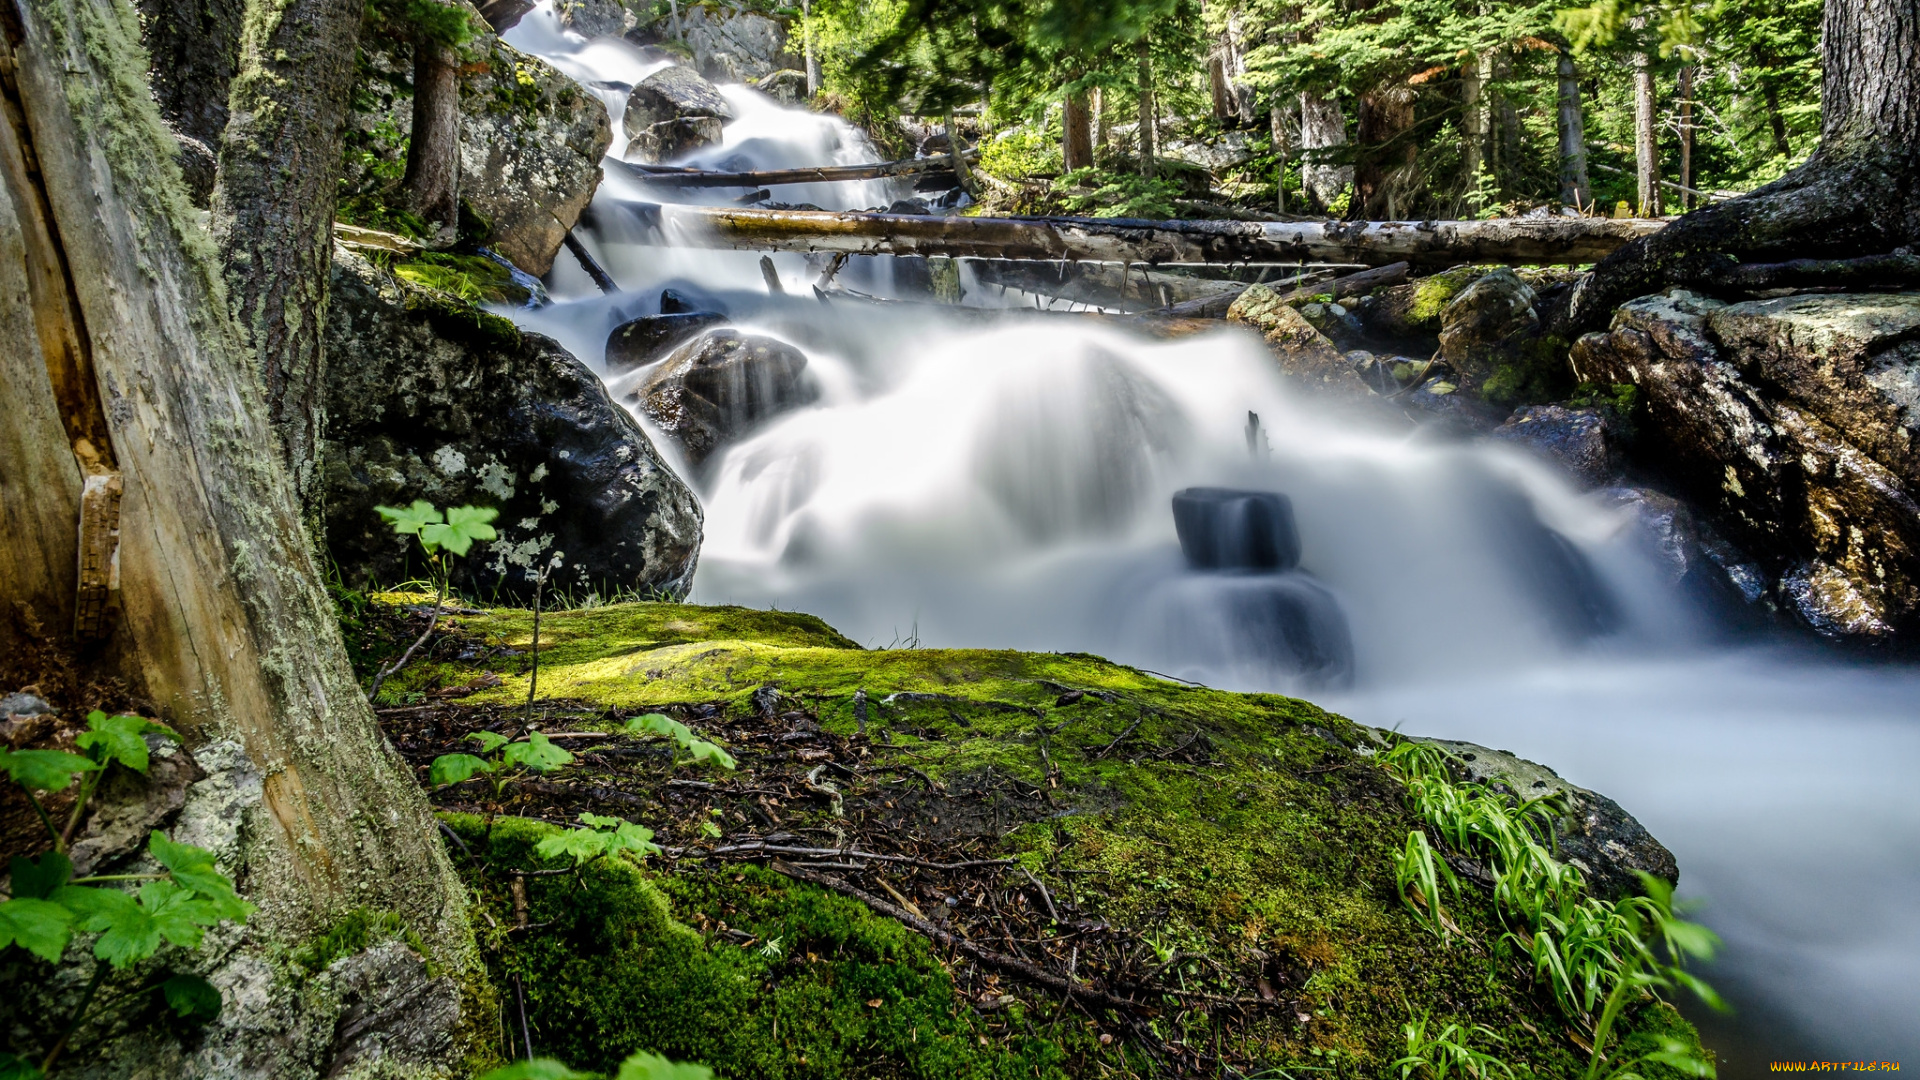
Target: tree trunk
point(1509, 136)
point(1076, 128)
point(1277, 120)
point(1473, 86)
point(812, 59)
point(1646, 148)
point(1684, 92)
point(1386, 115)
point(1148, 143)
point(1102, 123)
point(1323, 128)
point(433, 149)
point(193, 46)
point(1575, 189)
point(1376, 243)
point(1776, 122)
point(1859, 194)
point(273, 207)
point(1221, 94)
point(111, 316)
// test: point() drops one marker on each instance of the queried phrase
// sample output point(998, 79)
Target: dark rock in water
point(1595, 834)
point(1293, 616)
point(504, 15)
point(428, 400)
point(673, 93)
point(1224, 529)
point(1573, 600)
point(1581, 440)
point(1694, 558)
point(714, 388)
point(642, 341)
point(907, 206)
point(1242, 625)
point(1441, 399)
point(671, 139)
point(676, 302)
point(787, 86)
point(1795, 422)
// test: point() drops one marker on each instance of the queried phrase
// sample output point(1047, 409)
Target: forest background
point(1364, 109)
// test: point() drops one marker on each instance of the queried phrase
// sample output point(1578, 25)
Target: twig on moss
point(1131, 728)
point(432, 621)
point(1044, 894)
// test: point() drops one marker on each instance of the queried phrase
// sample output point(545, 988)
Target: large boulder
point(1492, 334)
point(735, 46)
point(1304, 354)
point(1225, 529)
point(1793, 421)
point(1413, 310)
point(531, 141)
point(1582, 441)
point(673, 112)
point(716, 387)
point(638, 342)
point(599, 18)
point(431, 399)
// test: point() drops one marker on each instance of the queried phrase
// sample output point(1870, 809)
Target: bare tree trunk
point(1102, 123)
point(432, 181)
point(273, 207)
point(812, 59)
point(1473, 87)
point(1386, 114)
point(1575, 189)
point(1217, 89)
point(1076, 132)
point(1685, 94)
point(1148, 143)
point(1323, 126)
point(1859, 194)
point(112, 305)
point(1776, 122)
point(1509, 137)
point(1277, 120)
point(1646, 148)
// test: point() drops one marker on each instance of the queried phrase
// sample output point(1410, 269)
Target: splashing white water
point(1007, 485)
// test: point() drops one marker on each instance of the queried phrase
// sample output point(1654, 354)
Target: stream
point(1005, 482)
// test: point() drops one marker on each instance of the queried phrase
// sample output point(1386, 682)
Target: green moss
point(612, 971)
point(1246, 831)
point(1433, 293)
point(1529, 371)
point(355, 932)
point(471, 278)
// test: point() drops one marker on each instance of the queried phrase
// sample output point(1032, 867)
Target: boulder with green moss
point(941, 862)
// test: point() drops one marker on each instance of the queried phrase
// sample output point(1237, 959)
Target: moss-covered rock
point(1190, 842)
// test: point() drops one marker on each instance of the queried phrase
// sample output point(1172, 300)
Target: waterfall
point(1009, 484)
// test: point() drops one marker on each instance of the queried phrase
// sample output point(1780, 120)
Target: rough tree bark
point(1148, 143)
point(1683, 92)
point(1473, 107)
point(1277, 121)
point(1323, 126)
point(273, 206)
point(1859, 193)
point(812, 59)
point(1386, 114)
point(1102, 122)
point(194, 45)
point(1646, 147)
point(1076, 139)
point(1575, 189)
point(432, 181)
point(111, 309)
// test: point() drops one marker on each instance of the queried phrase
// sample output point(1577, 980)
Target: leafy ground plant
point(175, 904)
point(638, 1067)
point(439, 535)
point(1445, 1053)
point(501, 759)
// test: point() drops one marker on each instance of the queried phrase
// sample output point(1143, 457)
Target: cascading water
point(1008, 483)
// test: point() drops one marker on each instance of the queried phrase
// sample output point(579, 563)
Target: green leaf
point(45, 770)
point(703, 752)
point(14, 1067)
point(582, 844)
point(601, 821)
point(127, 930)
point(631, 837)
point(645, 1066)
point(41, 927)
point(408, 521)
point(489, 740)
point(465, 524)
point(192, 998)
point(660, 724)
point(537, 754)
point(453, 768)
point(538, 1069)
point(37, 878)
point(121, 738)
point(194, 869)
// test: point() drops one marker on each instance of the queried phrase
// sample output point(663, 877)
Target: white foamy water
point(1007, 484)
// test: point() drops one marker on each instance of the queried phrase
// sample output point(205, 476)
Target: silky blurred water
point(1006, 483)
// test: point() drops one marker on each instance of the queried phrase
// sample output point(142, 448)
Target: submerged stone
point(1221, 528)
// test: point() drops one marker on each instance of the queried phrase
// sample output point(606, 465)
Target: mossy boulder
point(1304, 354)
point(1222, 860)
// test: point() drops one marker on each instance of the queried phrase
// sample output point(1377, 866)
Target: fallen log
point(1104, 284)
point(824, 174)
point(1370, 243)
point(1215, 307)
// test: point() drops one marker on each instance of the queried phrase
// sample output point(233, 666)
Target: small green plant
point(453, 533)
point(601, 837)
point(699, 751)
point(1652, 931)
point(500, 758)
point(175, 904)
point(641, 1066)
point(1418, 871)
point(1445, 1053)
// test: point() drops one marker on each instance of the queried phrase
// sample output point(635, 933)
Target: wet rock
point(504, 15)
point(448, 404)
point(1439, 399)
point(669, 140)
point(1581, 440)
point(1479, 325)
point(786, 86)
point(673, 93)
point(680, 302)
point(598, 18)
point(1594, 834)
point(1413, 310)
point(1694, 557)
point(1783, 419)
point(1303, 352)
point(641, 341)
point(716, 387)
point(1333, 320)
point(1221, 528)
